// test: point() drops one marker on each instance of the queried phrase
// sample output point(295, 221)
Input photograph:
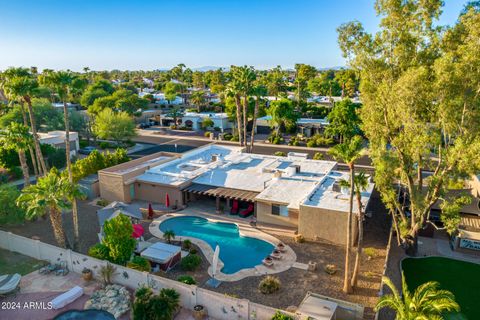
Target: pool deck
point(287, 260)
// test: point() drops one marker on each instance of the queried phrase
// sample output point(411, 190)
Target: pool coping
point(288, 256)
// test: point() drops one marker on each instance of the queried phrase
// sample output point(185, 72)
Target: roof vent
point(336, 187)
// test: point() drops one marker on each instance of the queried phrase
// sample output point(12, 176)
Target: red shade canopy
point(167, 200)
point(138, 230)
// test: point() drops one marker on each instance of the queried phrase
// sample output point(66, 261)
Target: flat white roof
point(325, 197)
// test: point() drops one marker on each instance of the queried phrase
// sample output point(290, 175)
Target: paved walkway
point(441, 247)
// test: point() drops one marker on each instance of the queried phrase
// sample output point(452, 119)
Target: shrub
point(139, 263)
point(330, 269)
point(318, 156)
point(193, 251)
point(102, 202)
point(190, 262)
point(370, 252)
point(9, 211)
point(269, 284)
point(276, 138)
point(107, 273)
point(16, 172)
point(99, 251)
point(217, 129)
point(83, 144)
point(104, 145)
point(294, 141)
point(147, 305)
point(311, 143)
point(187, 279)
point(187, 244)
point(235, 138)
point(280, 154)
point(207, 134)
point(299, 238)
point(227, 136)
point(281, 316)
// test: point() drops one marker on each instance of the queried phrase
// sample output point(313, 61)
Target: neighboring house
point(59, 105)
point(57, 140)
point(194, 120)
point(306, 126)
point(115, 209)
point(291, 191)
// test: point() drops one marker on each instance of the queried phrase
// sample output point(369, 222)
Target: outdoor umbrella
point(167, 200)
point(150, 211)
point(137, 230)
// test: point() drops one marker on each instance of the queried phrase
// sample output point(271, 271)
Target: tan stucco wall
point(112, 187)
point(324, 224)
point(264, 215)
point(157, 193)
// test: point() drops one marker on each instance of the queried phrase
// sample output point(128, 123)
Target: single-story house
point(57, 140)
point(194, 120)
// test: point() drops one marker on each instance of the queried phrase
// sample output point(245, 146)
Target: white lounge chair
point(67, 297)
point(9, 283)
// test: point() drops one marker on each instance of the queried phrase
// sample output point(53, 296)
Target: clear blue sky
point(148, 35)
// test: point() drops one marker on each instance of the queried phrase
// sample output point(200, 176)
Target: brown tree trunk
point(58, 232)
point(23, 164)
point(42, 167)
point(239, 119)
point(360, 241)
point(254, 124)
point(32, 155)
point(245, 105)
point(70, 176)
point(347, 287)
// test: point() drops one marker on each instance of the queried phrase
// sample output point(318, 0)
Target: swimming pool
point(236, 252)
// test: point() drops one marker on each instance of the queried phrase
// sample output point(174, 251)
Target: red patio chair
point(247, 212)
point(235, 208)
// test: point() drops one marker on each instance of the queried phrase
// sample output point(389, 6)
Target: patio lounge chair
point(235, 208)
point(67, 297)
point(280, 247)
point(9, 283)
point(247, 212)
point(276, 254)
point(268, 261)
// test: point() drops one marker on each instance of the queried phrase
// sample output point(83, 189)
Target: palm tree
point(62, 83)
point(20, 83)
point(52, 194)
point(17, 136)
point(360, 185)
point(198, 99)
point(426, 303)
point(258, 91)
point(168, 235)
point(348, 152)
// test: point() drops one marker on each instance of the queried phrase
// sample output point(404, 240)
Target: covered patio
point(228, 195)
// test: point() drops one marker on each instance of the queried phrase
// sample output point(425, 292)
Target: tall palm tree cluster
point(52, 193)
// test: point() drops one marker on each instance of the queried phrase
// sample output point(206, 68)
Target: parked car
point(87, 150)
point(143, 126)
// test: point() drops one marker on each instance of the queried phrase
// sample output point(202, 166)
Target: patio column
point(217, 205)
point(229, 205)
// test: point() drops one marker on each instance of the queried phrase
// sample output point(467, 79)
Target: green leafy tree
point(427, 302)
point(118, 239)
point(348, 152)
point(258, 91)
point(10, 212)
point(283, 115)
point(344, 121)
point(171, 90)
point(100, 88)
point(197, 80)
point(275, 82)
point(420, 109)
point(118, 126)
point(148, 306)
point(168, 235)
point(52, 193)
point(17, 136)
point(303, 73)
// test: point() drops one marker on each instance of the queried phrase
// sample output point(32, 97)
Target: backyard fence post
point(69, 259)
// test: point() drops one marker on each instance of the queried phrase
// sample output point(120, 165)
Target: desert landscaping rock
point(114, 299)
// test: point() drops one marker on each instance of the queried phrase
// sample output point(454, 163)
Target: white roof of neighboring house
point(55, 137)
point(211, 115)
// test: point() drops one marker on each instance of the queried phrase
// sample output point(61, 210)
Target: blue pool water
point(236, 252)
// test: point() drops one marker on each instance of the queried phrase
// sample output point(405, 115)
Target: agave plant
point(428, 302)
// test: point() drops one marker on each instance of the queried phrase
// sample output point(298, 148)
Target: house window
point(279, 210)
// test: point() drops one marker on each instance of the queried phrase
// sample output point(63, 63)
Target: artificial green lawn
point(459, 277)
point(12, 262)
